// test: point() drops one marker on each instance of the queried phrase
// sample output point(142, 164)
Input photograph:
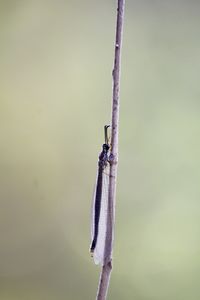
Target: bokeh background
point(56, 60)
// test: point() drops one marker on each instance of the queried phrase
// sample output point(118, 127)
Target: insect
point(100, 203)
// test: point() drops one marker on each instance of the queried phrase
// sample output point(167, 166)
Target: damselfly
point(100, 204)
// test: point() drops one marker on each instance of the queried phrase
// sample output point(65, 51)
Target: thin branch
point(107, 267)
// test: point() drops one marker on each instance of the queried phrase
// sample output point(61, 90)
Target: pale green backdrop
point(56, 60)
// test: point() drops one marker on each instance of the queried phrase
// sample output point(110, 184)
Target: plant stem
point(107, 267)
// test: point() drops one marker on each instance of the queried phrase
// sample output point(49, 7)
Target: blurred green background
point(56, 60)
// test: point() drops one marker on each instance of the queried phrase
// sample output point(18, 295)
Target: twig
point(107, 267)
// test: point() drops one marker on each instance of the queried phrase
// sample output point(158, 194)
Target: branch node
point(112, 159)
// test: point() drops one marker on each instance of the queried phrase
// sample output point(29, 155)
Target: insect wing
point(98, 253)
